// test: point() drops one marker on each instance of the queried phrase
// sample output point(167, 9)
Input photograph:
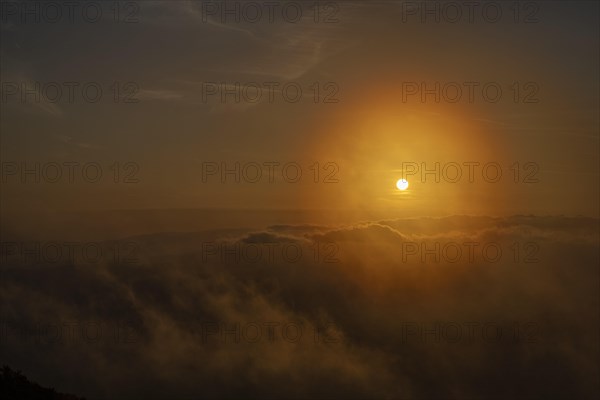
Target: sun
point(402, 184)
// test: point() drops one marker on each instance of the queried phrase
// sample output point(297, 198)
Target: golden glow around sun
point(402, 184)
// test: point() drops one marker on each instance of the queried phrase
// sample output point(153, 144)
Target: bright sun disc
point(402, 184)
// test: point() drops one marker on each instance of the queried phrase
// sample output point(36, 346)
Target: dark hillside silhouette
point(15, 386)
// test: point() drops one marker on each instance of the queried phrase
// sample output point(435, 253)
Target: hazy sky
point(176, 58)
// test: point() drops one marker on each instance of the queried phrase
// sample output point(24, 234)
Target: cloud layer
point(382, 309)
